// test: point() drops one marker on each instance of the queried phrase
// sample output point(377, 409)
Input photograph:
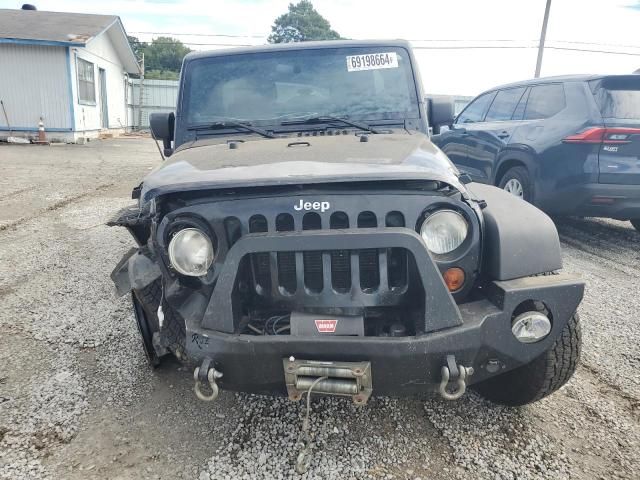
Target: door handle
point(503, 134)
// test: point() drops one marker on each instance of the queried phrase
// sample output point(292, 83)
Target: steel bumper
point(405, 365)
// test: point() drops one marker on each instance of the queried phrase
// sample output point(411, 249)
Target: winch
point(351, 379)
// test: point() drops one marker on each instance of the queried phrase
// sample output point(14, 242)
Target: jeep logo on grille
point(326, 326)
point(322, 206)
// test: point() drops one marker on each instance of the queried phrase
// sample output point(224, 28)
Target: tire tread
point(542, 376)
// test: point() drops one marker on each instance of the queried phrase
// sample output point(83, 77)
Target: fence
point(152, 96)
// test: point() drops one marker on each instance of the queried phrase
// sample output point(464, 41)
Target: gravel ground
point(78, 402)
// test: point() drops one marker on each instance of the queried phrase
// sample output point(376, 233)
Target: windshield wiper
point(226, 123)
point(328, 119)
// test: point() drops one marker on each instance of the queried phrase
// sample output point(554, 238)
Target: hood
point(209, 164)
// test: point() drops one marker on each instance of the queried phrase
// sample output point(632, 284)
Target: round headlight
point(191, 252)
point(444, 231)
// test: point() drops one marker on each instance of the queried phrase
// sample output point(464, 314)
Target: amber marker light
point(454, 278)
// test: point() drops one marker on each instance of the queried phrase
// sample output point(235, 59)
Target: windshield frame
point(416, 122)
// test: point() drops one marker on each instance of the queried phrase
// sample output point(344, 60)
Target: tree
point(137, 46)
point(301, 23)
point(164, 54)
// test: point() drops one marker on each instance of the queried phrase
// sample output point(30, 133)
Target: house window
point(86, 82)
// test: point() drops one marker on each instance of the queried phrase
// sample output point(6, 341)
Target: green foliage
point(164, 54)
point(301, 23)
point(137, 46)
point(161, 75)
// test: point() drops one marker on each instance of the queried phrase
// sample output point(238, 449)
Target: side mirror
point(162, 128)
point(440, 112)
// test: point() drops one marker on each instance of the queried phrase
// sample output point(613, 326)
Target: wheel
point(542, 376)
point(517, 181)
point(145, 306)
point(636, 223)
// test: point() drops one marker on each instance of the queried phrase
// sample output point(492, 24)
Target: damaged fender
point(134, 272)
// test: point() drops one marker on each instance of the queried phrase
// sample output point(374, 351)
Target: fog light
point(531, 327)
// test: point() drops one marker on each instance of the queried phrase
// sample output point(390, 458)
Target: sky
point(440, 31)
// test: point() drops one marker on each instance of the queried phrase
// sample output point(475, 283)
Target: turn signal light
point(454, 278)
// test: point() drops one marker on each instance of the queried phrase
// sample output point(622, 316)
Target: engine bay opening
point(376, 322)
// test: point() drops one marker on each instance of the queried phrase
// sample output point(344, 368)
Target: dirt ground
point(77, 400)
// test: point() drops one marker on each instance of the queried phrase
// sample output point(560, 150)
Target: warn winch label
point(326, 326)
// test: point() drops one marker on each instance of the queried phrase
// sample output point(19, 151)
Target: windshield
point(363, 83)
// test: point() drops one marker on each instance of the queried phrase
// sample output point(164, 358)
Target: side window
point(86, 83)
point(475, 110)
point(504, 104)
point(519, 112)
point(544, 101)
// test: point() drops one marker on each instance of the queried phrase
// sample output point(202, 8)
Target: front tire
point(542, 376)
point(517, 182)
point(636, 223)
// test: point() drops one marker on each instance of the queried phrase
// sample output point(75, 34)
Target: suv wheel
point(517, 182)
point(636, 223)
point(542, 376)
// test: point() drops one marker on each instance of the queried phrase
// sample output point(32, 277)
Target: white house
point(69, 69)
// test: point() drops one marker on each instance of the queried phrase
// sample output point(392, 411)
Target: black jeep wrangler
point(305, 233)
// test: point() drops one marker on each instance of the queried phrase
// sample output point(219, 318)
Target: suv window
point(504, 104)
point(519, 112)
point(544, 101)
point(618, 97)
point(475, 110)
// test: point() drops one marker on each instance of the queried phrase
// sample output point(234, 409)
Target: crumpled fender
point(134, 271)
point(519, 239)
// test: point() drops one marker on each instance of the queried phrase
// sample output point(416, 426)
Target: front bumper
point(405, 365)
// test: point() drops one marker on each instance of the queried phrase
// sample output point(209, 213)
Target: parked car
point(306, 234)
point(570, 145)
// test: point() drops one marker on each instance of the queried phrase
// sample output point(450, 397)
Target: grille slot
point(233, 227)
point(368, 258)
point(313, 271)
point(396, 257)
point(286, 260)
point(340, 259)
point(260, 261)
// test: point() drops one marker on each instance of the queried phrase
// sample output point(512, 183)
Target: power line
point(453, 40)
point(202, 34)
point(492, 47)
point(593, 51)
point(427, 47)
point(199, 44)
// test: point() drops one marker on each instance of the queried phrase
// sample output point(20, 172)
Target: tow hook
point(455, 374)
point(205, 373)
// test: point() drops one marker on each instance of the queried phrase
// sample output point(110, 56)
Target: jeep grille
point(373, 269)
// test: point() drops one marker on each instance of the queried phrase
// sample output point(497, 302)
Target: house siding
point(102, 54)
point(34, 82)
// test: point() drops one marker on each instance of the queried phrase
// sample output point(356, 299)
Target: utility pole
point(543, 34)
point(140, 93)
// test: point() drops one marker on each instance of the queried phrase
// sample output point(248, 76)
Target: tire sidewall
point(521, 174)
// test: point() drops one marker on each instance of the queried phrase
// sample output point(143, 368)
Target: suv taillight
point(602, 135)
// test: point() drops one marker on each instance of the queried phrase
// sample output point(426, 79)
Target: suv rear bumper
point(402, 365)
point(617, 201)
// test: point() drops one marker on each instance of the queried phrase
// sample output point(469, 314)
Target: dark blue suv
point(570, 145)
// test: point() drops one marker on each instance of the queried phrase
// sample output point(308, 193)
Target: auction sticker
point(372, 61)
